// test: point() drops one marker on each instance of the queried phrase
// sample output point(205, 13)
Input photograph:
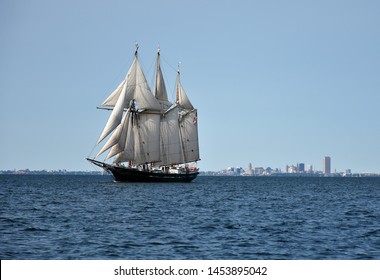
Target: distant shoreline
point(45, 172)
point(202, 173)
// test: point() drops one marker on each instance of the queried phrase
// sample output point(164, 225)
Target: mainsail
point(188, 121)
point(171, 147)
point(145, 127)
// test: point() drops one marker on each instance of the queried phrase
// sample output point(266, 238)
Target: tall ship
point(148, 138)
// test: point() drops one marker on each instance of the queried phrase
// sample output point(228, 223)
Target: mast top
point(137, 47)
point(178, 69)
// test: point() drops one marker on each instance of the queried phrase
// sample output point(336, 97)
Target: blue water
point(91, 217)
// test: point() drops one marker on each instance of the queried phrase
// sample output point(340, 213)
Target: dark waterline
point(91, 217)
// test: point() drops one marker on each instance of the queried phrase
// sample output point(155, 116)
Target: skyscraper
point(249, 169)
point(300, 167)
point(327, 165)
point(309, 168)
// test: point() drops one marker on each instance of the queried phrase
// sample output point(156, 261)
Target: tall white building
point(309, 168)
point(249, 170)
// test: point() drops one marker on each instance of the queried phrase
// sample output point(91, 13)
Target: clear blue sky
point(275, 82)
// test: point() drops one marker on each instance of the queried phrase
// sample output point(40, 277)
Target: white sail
point(181, 98)
point(147, 138)
point(121, 137)
point(137, 88)
point(171, 151)
point(134, 87)
point(188, 124)
point(125, 149)
point(116, 114)
point(138, 141)
point(116, 136)
point(189, 135)
point(112, 99)
point(160, 88)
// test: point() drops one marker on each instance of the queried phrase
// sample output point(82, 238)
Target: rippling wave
point(90, 217)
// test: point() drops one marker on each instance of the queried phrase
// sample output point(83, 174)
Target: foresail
point(128, 153)
point(114, 139)
point(116, 115)
point(125, 149)
point(112, 99)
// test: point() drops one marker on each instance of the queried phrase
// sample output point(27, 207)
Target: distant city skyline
point(297, 168)
point(290, 170)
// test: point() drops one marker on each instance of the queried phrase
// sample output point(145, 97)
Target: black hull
point(125, 174)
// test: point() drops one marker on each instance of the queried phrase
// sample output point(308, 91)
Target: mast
point(177, 83)
point(136, 48)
